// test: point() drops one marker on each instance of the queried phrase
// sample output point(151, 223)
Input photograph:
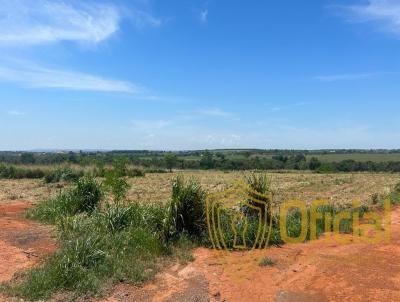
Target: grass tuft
point(266, 261)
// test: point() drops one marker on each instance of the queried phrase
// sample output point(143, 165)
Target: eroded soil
point(23, 243)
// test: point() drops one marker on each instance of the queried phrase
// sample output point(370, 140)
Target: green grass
point(83, 198)
point(266, 261)
point(394, 196)
point(101, 243)
point(102, 247)
point(187, 208)
point(91, 257)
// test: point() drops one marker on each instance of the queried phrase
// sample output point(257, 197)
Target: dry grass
point(340, 188)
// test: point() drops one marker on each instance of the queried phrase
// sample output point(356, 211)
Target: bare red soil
point(315, 271)
point(23, 243)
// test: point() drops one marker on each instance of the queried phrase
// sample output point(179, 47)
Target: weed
point(266, 261)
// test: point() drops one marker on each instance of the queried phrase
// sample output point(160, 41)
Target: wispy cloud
point(385, 12)
point(15, 113)
point(344, 77)
point(285, 107)
point(204, 16)
point(34, 76)
point(150, 125)
point(142, 19)
point(217, 112)
point(42, 21)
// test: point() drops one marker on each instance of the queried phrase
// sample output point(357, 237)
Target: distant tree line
point(205, 160)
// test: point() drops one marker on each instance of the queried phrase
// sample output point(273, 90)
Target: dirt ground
point(318, 271)
point(23, 243)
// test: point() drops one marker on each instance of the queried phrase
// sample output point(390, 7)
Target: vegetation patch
point(104, 240)
point(266, 261)
point(62, 174)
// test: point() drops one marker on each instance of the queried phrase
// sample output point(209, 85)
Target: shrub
point(65, 174)
point(11, 172)
point(326, 168)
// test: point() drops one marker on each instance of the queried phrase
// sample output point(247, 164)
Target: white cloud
point(385, 12)
point(15, 113)
point(204, 16)
point(344, 77)
point(42, 21)
point(274, 109)
point(34, 76)
point(215, 112)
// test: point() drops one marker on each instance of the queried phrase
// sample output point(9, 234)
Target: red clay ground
point(22, 242)
point(311, 272)
point(317, 271)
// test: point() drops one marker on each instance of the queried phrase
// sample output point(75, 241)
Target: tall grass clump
point(115, 184)
point(394, 195)
point(186, 210)
point(259, 189)
point(84, 197)
point(258, 183)
point(244, 219)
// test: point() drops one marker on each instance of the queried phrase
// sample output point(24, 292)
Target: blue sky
point(199, 74)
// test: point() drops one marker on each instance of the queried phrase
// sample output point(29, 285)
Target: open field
point(316, 271)
point(340, 188)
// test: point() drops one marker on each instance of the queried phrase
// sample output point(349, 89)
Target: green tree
point(27, 158)
point(170, 160)
point(314, 164)
point(207, 161)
